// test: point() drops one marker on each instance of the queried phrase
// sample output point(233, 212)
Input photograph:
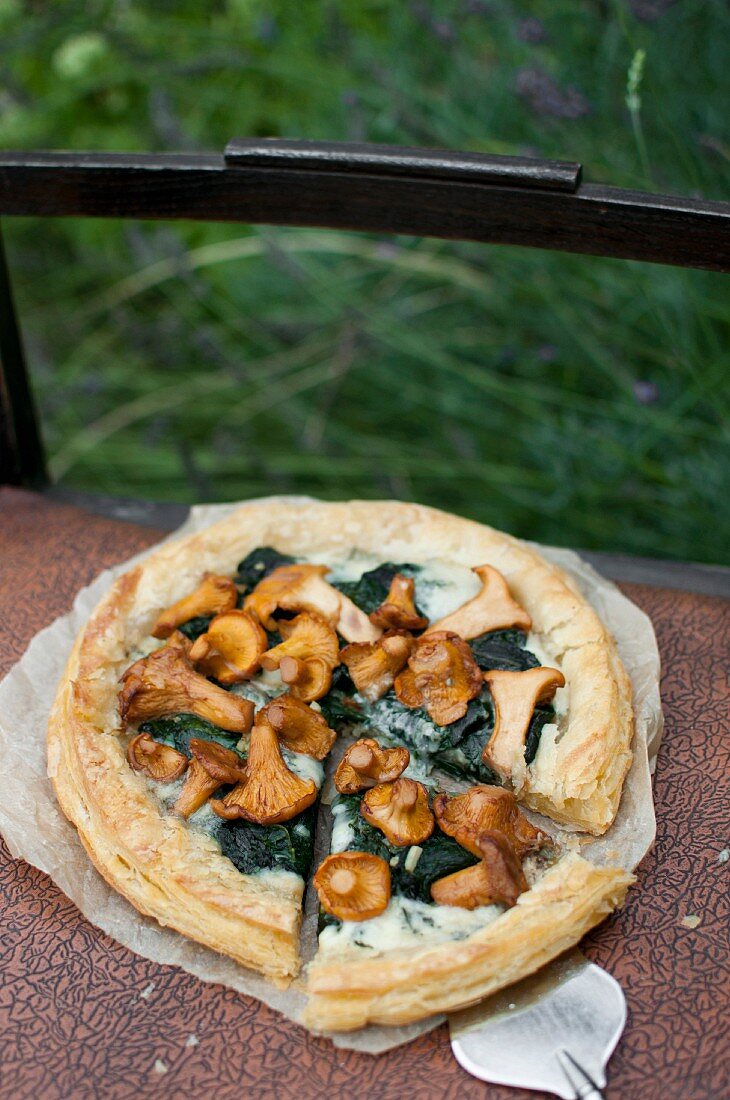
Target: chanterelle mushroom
point(299, 584)
point(211, 766)
point(302, 588)
point(231, 648)
point(468, 816)
point(156, 761)
point(497, 880)
point(491, 609)
point(178, 640)
point(398, 609)
point(365, 764)
point(354, 625)
point(316, 595)
point(514, 697)
point(304, 637)
point(373, 666)
point(441, 676)
point(306, 657)
point(353, 885)
point(166, 683)
point(306, 680)
point(400, 810)
point(213, 595)
point(298, 726)
point(271, 793)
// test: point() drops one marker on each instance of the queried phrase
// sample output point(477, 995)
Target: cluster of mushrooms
point(428, 666)
point(485, 820)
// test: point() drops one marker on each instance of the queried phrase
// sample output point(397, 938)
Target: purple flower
point(646, 393)
point(266, 29)
point(442, 28)
point(648, 10)
point(547, 98)
point(547, 353)
point(531, 30)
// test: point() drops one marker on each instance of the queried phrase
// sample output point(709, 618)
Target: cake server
point(553, 1031)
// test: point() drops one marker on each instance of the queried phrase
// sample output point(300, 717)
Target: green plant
point(568, 399)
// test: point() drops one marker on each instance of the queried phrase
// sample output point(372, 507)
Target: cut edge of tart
point(405, 986)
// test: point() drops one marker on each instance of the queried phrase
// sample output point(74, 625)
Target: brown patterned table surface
point(82, 1017)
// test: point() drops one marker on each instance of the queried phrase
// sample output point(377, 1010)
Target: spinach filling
point(542, 716)
point(506, 649)
point(440, 856)
point(250, 847)
point(503, 649)
point(193, 628)
point(257, 565)
point(339, 709)
point(179, 729)
point(286, 847)
point(461, 744)
point(455, 749)
point(371, 589)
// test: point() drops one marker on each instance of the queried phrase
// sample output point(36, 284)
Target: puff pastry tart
point(444, 676)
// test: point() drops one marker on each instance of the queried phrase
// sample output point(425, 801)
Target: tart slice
point(452, 920)
point(194, 795)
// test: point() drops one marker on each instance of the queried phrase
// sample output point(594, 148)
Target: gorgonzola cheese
point(406, 923)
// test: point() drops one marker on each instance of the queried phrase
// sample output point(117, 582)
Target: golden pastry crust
point(180, 876)
point(166, 870)
point(399, 987)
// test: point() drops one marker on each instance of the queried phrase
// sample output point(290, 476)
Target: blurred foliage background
point(573, 400)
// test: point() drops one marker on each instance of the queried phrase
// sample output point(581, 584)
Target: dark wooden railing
point(376, 188)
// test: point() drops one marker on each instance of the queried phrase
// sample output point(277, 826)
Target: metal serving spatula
point(554, 1031)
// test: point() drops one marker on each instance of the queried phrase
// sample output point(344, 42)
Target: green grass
point(568, 399)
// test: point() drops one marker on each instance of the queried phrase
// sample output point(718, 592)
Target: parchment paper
point(36, 830)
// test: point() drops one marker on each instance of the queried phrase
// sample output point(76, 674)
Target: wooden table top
point(82, 1017)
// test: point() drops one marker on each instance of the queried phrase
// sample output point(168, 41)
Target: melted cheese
point(552, 731)
point(276, 878)
point(534, 644)
point(343, 835)
point(349, 568)
point(306, 767)
point(442, 587)
point(205, 820)
point(166, 793)
point(260, 691)
point(387, 719)
point(406, 923)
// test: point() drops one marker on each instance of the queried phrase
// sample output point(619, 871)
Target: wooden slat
point(594, 220)
point(401, 160)
point(21, 453)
